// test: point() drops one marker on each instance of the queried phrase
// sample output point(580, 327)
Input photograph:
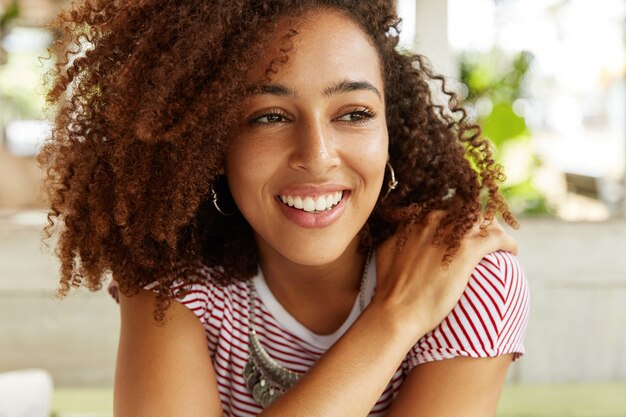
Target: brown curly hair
point(147, 93)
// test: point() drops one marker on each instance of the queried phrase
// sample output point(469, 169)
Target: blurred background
point(546, 81)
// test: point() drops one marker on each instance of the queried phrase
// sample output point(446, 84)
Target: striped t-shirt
point(489, 320)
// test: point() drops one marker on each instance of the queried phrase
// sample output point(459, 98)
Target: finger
point(509, 244)
point(500, 240)
point(434, 217)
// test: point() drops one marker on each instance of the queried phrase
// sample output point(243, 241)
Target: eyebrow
point(274, 89)
point(343, 86)
point(346, 86)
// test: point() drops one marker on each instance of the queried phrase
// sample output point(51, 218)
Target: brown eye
point(357, 117)
point(269, 118)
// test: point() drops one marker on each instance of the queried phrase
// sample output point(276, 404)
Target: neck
point(293, 284)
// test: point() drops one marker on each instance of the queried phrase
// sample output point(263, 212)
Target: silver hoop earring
point(392, 184)
point(214, 199)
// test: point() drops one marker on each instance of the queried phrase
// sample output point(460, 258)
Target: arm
point(468, 387)
point(162, 371)
point(478, 339)
point(167, 371)
point(414, 294)
point(485, 332)
point(350, 377)
point(347, 380)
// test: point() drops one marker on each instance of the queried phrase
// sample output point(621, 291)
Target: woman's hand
point(414, 288)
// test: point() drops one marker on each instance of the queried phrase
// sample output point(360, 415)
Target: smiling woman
point(307, 133)
point(275, 177)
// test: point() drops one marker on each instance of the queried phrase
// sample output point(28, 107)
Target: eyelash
point(363, 112)
point(254, 120)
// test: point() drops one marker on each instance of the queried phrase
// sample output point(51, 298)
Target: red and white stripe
point(489, 320)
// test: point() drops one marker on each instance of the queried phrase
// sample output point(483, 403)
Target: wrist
point(395, 323)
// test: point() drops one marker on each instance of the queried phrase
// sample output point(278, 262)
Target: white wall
point(577, 276)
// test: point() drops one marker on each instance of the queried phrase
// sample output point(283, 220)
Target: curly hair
point(147, 94)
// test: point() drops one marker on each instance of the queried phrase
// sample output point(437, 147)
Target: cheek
point(248, 168)
point(368, 157)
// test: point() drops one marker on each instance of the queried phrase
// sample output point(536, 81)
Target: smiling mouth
point(309, 204)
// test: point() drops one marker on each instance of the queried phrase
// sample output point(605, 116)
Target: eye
point(358, 116)
point(268, 118)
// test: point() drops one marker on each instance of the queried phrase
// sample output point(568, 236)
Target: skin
point(304, 131)
point(166, 370)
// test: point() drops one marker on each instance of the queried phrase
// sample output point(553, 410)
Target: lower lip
point(314, 220)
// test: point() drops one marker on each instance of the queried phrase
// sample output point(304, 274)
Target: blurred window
point(572, 100)
point(21, 89)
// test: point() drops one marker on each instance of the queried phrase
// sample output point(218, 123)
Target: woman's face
point(307, 163)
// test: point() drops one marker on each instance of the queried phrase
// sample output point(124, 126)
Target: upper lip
point(312, 190)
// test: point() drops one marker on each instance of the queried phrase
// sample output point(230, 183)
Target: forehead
point(322, 46)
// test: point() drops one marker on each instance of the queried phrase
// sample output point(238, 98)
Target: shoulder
point(489, 319)
point(199, 291)
point(498, 281)
point(152, 362)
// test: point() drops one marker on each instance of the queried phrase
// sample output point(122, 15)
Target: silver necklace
point(265, 379)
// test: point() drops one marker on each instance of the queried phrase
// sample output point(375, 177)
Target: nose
point(314, 149)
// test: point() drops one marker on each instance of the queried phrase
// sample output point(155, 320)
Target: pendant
point(262, 391)
point(265, 379)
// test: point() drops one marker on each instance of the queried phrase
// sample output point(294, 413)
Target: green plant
point(495, 90)
point(11, 12)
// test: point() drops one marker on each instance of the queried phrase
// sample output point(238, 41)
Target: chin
point(313, 254)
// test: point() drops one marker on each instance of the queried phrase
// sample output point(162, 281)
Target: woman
point(272, 179)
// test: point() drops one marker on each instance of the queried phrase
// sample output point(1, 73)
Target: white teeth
point(320, 203)
point(309, 204)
